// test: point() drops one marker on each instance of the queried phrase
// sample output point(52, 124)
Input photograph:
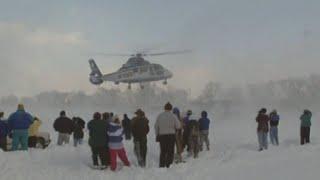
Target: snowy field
point(234, 155)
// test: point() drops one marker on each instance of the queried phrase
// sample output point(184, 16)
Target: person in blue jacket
point(19, 123)
point(3, 132)
point(204, 124)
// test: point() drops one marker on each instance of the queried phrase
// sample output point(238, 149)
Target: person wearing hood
point(19, 122)
point(126, 124)
point(263, 128)
point(33, 132)
point(98, 141)
point(165, 128)
point(204, 123)
point(4, 130)
point(140, 130)
point(305, 126)
point(116, 147)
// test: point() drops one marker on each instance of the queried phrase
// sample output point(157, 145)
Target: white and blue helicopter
point(135, 70)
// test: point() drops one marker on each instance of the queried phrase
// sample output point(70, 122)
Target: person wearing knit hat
point(19, 122)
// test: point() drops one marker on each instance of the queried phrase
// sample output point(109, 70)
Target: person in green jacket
point(98, 141)
point(305, 119)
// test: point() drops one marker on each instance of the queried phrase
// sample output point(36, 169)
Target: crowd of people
point(269, 124)
point(175, 132)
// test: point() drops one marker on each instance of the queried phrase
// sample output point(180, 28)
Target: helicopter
point(135, 70)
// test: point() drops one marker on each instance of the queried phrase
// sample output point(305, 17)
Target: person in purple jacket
point(204, 124)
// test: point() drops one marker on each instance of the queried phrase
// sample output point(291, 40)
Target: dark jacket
point(274, 119)
point(98, 133)
point(262, 120)
point(78, 126)
point(140, 127)
point(306, 119)
point(20, 120)
point(204, 122)
point(4, 130)
point(126, 124)
point(63, 125)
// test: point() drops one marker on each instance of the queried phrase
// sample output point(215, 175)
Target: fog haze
point(45, 45)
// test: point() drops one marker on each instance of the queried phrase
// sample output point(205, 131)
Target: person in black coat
point(78, 134)
point(64, 126)
point(126, 124)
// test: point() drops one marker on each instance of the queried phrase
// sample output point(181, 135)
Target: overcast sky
point(45, 45)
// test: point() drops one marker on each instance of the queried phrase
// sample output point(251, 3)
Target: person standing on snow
point(263, 128)
point(4, 130)
point(116, 147)
point(140, 130)
point(179, 138)
point(64, 126)
point(165, 128)
point(126, 124)
point(78, 127)
point(305, 126)
point(204, 124)
point(33, 132)
point(194, 136)
point(274, 122)
point(19, 122)
point(98, 141)
point(185, 122)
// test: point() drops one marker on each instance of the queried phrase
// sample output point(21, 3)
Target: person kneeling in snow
point(33, 132)
point(116, 148)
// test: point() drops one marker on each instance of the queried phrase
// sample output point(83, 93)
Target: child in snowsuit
point(194, 135)
point(204, 124)
point(116, 148)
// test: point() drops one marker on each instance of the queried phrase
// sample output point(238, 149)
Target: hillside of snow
point(234, 155)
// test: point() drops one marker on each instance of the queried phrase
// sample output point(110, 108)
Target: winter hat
point(139, 112)
point(168, 107)
point(62, 113)
point(204, 114)
point(189, 113)
point(263, 111)
point(21, 107)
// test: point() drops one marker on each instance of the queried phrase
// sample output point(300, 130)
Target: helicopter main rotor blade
point(168, 53)
point(113, 54)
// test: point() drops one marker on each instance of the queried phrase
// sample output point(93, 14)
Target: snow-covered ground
point(234, 156)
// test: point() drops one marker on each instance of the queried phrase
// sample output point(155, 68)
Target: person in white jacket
point(165, 127)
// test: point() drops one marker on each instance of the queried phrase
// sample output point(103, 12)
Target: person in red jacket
point(263, 129)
